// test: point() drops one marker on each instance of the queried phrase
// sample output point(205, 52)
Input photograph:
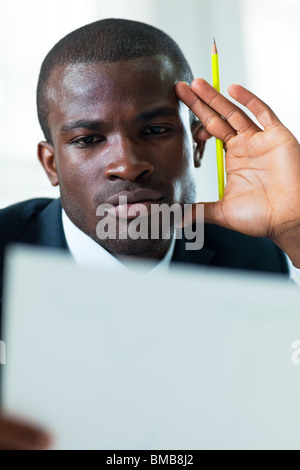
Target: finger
point(236, 117)
point(263, 113)
point(16, 434)
point(212, 214)
point(14, 444)
point(213, 123)
point(200, 132)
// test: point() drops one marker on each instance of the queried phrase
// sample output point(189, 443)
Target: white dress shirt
point(86, 252)
point(294, 272)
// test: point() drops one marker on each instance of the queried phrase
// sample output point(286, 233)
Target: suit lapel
point(47, 229)
point(181, 255)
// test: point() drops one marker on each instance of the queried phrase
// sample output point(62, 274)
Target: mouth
point(129, 205)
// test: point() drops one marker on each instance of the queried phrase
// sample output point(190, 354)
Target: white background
point(258, 42)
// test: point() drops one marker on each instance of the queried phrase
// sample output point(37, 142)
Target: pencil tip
point(214, 48)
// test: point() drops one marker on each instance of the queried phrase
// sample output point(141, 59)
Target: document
point(191, 359)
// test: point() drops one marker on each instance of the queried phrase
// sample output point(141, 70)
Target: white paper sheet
point(193, 360)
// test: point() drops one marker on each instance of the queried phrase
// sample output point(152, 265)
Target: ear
point(200, 135)
point(47, 158)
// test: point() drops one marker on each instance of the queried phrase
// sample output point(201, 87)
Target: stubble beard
point(118, 245)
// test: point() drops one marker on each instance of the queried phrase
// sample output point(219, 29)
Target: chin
point(143, 248)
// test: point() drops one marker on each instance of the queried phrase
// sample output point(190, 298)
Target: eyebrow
point(142, 117)
point(157, 112)
point(87, 124)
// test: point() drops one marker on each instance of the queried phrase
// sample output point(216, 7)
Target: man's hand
point(18, 435)
point(262, 194)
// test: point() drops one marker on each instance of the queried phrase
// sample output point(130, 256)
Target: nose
point(128, 162)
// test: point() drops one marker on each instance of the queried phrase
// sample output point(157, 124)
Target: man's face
point(119, 129)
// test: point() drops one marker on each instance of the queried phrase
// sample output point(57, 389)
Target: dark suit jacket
point(38, 222)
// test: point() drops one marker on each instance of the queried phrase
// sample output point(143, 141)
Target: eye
point(89, 140)
point(156, 130)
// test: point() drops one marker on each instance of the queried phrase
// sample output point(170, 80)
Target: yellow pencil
point(219, 143)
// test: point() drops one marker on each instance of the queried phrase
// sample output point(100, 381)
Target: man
point(111, 103)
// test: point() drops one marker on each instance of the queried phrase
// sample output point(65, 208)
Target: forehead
point(130, 84)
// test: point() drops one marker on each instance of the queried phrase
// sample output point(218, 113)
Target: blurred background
point(258, 43)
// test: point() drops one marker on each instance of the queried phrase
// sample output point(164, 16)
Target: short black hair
point(108, 40)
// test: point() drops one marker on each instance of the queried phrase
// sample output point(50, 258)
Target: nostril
point(113, 177)
point(130, 169)
point(144, 173)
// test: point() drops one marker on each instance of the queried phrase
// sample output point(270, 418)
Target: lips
point(130, 204)
point(133, 197)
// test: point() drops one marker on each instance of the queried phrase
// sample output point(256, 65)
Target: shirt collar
point(86, 252)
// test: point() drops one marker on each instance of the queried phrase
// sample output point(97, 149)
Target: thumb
point(212, 213)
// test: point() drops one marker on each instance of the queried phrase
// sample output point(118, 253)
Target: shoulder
point(229, 249)
point(25, 209)
point(15, 218)
point(15, 221)
point(243, 251)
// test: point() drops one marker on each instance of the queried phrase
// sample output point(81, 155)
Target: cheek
point(78, 171)
point(181, 154)
point(185, 156)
